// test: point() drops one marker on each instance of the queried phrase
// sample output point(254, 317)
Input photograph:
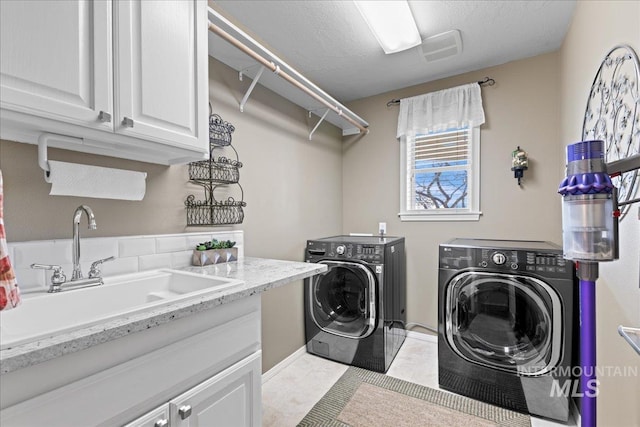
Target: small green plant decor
point(214, 252)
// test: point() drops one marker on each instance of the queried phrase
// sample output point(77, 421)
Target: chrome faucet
point(77, 271)
point(58, 279)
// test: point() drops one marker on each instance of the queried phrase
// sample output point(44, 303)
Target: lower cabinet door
point(230, 399)
point(159, 417)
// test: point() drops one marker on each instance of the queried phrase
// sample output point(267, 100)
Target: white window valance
point(437, 111)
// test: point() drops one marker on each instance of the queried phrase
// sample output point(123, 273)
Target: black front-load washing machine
point(355, 312)
point(505, 324)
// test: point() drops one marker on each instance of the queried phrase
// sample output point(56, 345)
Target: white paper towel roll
point(72, 179)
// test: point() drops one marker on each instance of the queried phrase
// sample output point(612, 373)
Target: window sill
point(440, 216)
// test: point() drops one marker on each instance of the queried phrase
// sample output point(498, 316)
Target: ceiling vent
point(441, 46)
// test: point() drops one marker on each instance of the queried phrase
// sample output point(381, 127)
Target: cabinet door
point(230, 399)
point(55, 60)
point(161, 80)
point(159, 417)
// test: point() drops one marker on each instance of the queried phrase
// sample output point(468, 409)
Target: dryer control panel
point(547, 263)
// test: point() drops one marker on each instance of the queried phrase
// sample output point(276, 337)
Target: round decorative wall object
point(613, 115)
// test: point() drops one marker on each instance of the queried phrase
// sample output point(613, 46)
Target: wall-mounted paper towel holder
point(43, 143)
point(73, 179)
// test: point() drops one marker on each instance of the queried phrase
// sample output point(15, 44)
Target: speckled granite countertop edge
point(256, 275)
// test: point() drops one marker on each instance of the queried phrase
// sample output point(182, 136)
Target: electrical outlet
point(382, 227)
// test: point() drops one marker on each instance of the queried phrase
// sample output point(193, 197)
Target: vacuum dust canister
point(589, 224)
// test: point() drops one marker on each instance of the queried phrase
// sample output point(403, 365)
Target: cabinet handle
point(161, 423)
point(184, 411)
point(127, 122)
point(104, 117)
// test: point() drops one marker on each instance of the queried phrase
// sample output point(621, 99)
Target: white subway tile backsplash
point(136, 247)
point(181, 259)
point(120, 266)
point(134, 253)
point(94, 249)
point(30, 280)
point(153, 262)
point(52, 252)
point(171, 244)
point(196, 239)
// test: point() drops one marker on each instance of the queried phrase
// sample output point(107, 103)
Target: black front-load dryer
point(505, 324)
point(355, 312)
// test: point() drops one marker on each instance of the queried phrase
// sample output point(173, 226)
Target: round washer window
point(503, 321)
point(343, 299)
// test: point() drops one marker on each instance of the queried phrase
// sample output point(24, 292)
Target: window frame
point(472, 213)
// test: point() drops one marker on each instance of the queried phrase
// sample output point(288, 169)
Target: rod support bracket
point(318, 124)
point(251, 87)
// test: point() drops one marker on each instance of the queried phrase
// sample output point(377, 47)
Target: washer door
point(343, 300)
point(507, 322)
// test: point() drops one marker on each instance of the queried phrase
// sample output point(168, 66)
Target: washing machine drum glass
point(507, 322)
point(343, 299)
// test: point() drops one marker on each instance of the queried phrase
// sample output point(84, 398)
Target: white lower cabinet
point(200, 370)
point(229, 399)
point(159, 417)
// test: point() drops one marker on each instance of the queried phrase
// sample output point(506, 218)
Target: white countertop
point(257, 275)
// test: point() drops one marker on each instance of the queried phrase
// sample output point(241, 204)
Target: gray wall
point(520, 109)
point(292, 186)
point(597, 27)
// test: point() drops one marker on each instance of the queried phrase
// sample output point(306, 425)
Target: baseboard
point(422, 336)
point(302, 350)
point(283, 364)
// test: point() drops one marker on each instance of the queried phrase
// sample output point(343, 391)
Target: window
point(440, 175)
point(439, 135)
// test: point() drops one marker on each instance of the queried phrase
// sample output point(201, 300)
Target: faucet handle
point(58, 277)
point(94, 270)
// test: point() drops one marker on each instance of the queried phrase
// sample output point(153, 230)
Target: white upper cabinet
point(160, 51)
point(56, 60)
point(128, 78)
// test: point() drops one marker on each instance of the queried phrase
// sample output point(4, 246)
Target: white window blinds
point(441, 148)
point(439, 170)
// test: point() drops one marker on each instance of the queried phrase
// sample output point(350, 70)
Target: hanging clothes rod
point(282, 73)
point(486, 81)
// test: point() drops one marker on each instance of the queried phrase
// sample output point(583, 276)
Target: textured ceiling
point(329, 42)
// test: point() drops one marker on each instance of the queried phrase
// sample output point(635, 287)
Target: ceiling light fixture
point(392, 23)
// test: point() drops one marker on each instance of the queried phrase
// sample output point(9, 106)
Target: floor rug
point(362, 398)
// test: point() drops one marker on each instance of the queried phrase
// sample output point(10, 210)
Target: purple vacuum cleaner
point(590, 235)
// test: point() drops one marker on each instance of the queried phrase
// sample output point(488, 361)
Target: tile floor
point(290, 393)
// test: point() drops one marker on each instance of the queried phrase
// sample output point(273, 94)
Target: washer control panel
point(363, 252)
point(547, 263)
point(498, 258)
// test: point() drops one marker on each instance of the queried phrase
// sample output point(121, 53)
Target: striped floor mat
point(362, 398)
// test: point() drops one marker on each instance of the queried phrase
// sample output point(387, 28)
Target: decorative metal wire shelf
point(222, 170)
point(219, 131)
point(214, 212)
point(213, 173)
